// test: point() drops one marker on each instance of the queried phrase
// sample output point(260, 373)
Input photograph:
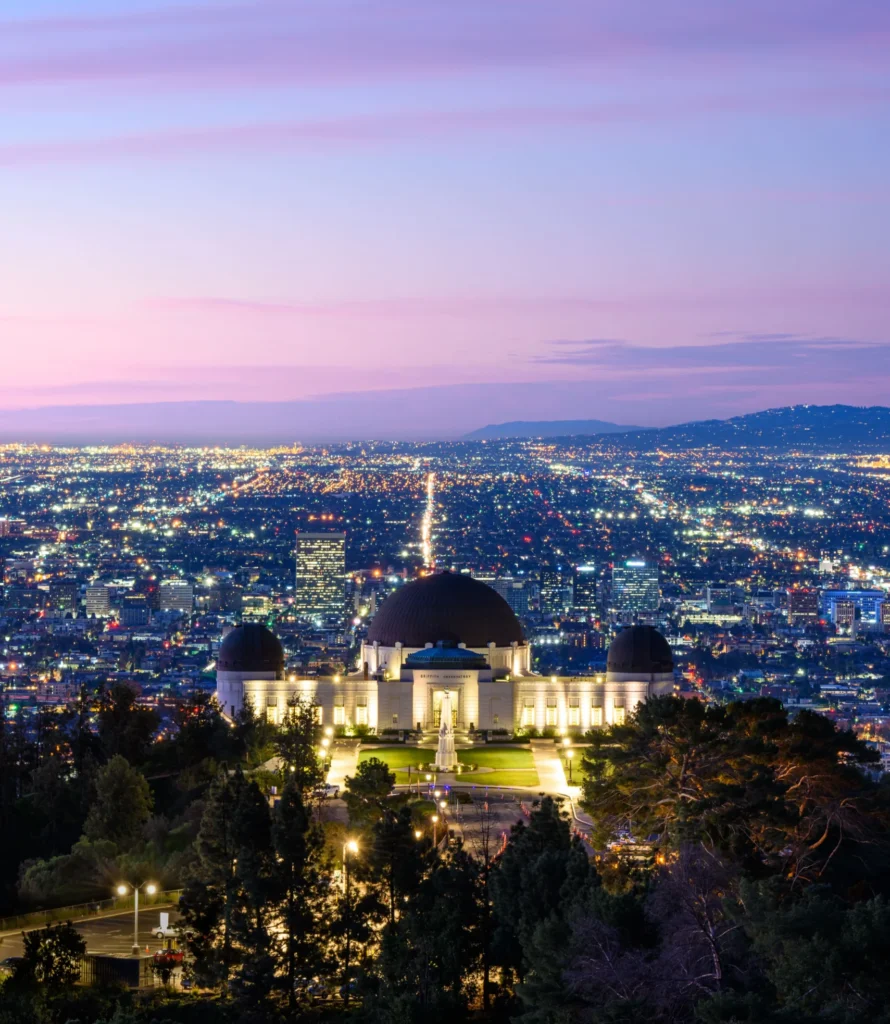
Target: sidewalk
point(344, 761)
point(551, 776)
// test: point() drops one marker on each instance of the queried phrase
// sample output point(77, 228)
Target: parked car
point(327, 790)
point(164, 929)
point(8, 965)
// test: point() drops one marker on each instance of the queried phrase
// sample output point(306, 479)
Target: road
point(112, 934)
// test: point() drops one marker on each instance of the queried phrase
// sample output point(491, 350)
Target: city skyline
point(604, 202)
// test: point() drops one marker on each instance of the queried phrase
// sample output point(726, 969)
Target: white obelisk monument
point(446, 758)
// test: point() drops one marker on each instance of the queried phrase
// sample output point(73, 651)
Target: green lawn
point(399, 757)
point(498, 757)
point(518, 777)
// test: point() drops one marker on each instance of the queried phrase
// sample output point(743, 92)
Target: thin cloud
point(356, 39)
point(320, 134)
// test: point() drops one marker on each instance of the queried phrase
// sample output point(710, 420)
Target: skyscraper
point(556, 591)
point(585, 588)
point(321, 576)
point(635, 587)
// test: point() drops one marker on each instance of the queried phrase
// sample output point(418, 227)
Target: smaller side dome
point(640, 650)
point(251, 647)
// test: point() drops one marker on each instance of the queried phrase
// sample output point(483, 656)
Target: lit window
point(361, 714)
point(574, 711)
point(597, 720)
point(272, 714)
point(528, 713)
point(395, 719)
point(552, 716)
point(339, 715)
point(618, 716)
point(319, 715)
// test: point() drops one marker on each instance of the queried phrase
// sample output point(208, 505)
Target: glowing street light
point(435, 821)
point(569, 755)
point(122, 890)
point(418, 835)
point(349, 847)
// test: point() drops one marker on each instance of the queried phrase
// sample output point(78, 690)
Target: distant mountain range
point(811, 427)
point(545, 428)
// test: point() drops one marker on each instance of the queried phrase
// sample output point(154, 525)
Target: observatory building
point(446, 632)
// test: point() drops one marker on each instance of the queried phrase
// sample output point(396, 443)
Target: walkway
point(344, 761)
point(551, 777)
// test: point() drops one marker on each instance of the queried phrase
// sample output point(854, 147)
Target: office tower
point(868, 603)
point(635, 587)
point(98, 601)
point(64, 595)
point(803, 607)
point(501, 584)
point(884, 616)
point(556, 591)
point(134, 610)
point(844, 616)
point(321, 576)
point(518, 597)
point(585, 589)
point(177, 596)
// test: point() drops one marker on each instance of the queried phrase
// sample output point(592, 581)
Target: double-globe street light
point(122, 890)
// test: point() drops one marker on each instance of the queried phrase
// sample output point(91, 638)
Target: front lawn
point(399, 757)
point(501, 757)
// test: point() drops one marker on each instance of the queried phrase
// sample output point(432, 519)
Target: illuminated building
point(868, 603)
point(803, 607)
point(635, 587)
point(177, 596)
point(98, 601)
point(556, 591)
point(446, 632)
point(321, 576)
point(584, 593)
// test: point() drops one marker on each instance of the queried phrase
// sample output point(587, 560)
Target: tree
point(51, 957)
point(124, 726)
point(771, 794)
point(366, 791)
point(541, 868)
point(297, 744)
point(122, 805)
point(395, 857)
point(210, 895)
point(304, 894)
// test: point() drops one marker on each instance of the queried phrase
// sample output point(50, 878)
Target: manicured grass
point(518, 777)
point(500, 757)
point(399, 757)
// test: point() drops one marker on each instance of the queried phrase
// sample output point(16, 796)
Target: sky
point(440, 214)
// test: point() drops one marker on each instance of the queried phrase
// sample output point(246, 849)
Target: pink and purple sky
point(649, 211)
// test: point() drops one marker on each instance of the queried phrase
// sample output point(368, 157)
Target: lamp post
point(350, 846)
point(435, 821)
point(569, 755)
point(122, 889)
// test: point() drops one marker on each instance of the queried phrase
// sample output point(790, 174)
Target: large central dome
point(447, 607)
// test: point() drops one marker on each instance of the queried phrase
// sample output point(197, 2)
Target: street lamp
point(569, 755)
point(435, 821)
point(566, 741)
point(122, 890)
point(350, 846)
point(418, 835)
